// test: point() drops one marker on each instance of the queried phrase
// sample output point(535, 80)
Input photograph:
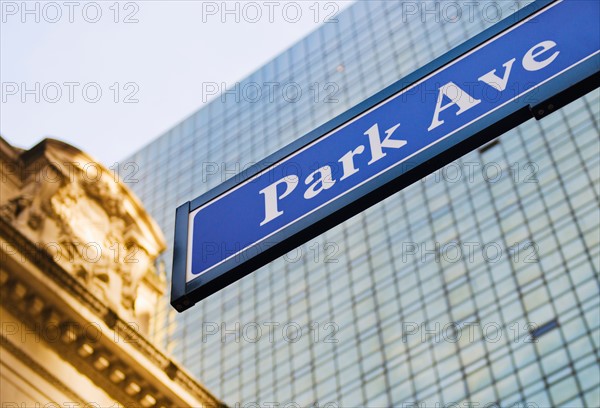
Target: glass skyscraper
point(476, 285)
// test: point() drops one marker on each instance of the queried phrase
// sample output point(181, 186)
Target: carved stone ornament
point(90, 223)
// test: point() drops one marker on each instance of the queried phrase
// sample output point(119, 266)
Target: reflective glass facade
point(478, 284)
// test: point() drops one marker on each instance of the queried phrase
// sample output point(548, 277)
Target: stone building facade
point(79, 288)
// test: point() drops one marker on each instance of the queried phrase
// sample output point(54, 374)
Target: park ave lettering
point(538, 57)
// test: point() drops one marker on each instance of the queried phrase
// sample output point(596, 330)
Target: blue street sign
point(521, 68)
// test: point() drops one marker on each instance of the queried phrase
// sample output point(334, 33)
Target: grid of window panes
point(479, 283)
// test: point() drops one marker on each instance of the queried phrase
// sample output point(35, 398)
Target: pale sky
point(155, 54)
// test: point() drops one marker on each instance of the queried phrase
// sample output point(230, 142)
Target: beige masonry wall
point(79, 289)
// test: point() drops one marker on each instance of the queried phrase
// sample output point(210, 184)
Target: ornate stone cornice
point(57, 305)
point(59, 196)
